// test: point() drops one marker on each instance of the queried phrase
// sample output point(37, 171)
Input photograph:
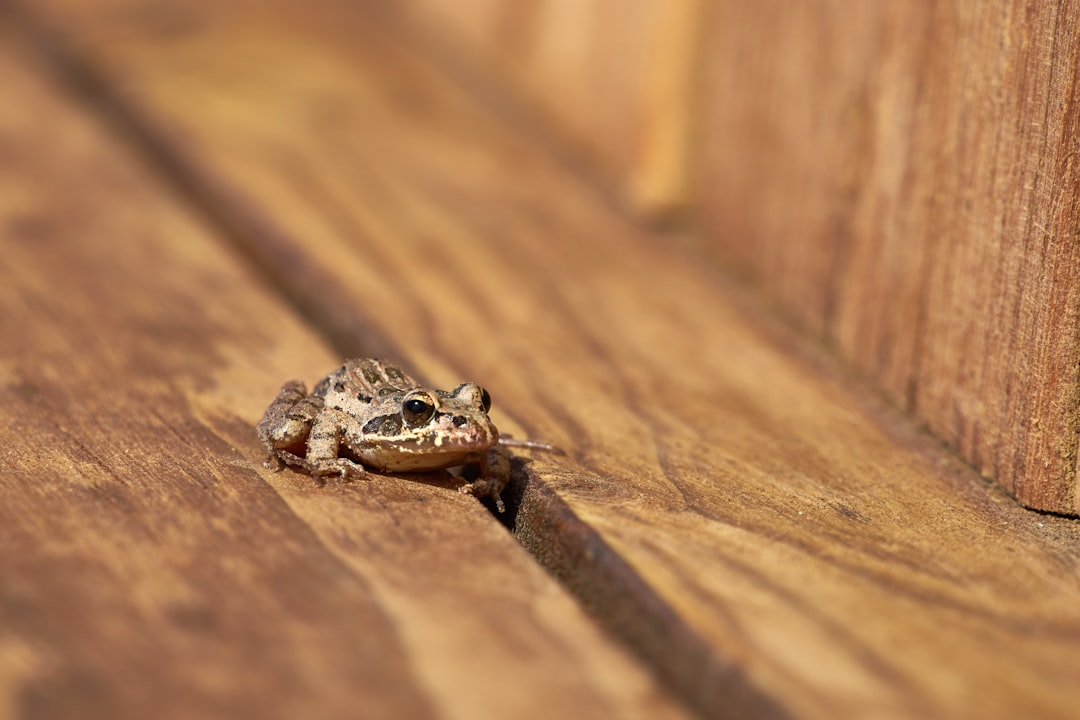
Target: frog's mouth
point(403, 458)
point(436, 442)
point(453, 432)
point(414, 463)
point(444, 443)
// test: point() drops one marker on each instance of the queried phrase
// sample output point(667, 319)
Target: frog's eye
point(417, 410)
point(485, 399)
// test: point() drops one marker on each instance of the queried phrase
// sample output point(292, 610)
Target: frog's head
point(430, 429)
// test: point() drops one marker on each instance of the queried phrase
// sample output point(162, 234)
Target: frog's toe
point(482, 489)
point(351, 471)
point(344, 470)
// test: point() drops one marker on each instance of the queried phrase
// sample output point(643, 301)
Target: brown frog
point(388, 422)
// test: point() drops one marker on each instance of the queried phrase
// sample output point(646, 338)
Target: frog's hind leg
point(287, 422)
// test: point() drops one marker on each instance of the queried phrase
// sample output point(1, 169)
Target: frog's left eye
point(485, 399)
point(417, 410)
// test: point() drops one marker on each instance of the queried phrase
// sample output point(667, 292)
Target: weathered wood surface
point(770, 540)
point(149, 567)
point(904, 178)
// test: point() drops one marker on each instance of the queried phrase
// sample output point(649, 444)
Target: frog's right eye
point(417, 410)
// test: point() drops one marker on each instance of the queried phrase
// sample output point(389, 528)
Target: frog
point(369, 415)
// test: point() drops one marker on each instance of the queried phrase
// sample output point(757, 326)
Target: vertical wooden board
point(998, 375)
point(771, 542)
point(150, 567)
point(902, 178)
point(806, 183)
point(782, 155)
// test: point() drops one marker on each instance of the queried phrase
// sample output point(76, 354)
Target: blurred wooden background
point(901, 179)
point(793, 286)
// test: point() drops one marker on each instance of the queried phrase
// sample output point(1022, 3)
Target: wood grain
point(903, 180)
point(150, 567)
point(772, 539)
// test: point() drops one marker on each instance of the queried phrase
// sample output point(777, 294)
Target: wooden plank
point(903, 179)
point(150, 567)
point(771, 539)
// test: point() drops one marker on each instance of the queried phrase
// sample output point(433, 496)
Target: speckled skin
point(384, 420)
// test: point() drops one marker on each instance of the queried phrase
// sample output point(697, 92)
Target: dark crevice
point(631, 611)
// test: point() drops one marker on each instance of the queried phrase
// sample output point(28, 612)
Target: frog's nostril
point(460, 421)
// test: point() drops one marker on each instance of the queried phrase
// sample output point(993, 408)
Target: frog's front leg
point(323, 445)
point(287, 422)
point(494, 475)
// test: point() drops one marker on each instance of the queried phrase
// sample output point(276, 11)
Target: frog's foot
point(272, 461)
point(485, 488)
point(345, 469)
point(276, 459)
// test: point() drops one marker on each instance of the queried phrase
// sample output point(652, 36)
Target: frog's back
point(374, 378)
